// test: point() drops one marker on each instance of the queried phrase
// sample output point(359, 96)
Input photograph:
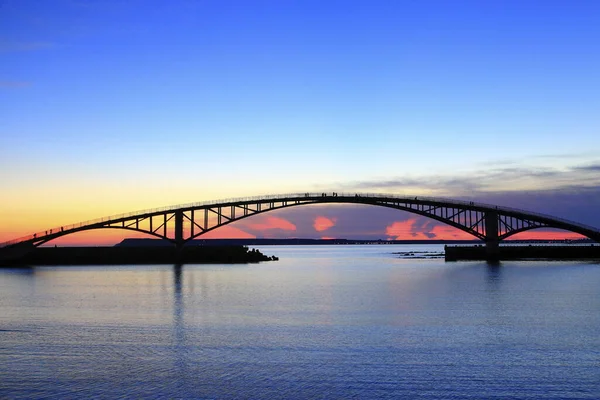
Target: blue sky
point(111, 106)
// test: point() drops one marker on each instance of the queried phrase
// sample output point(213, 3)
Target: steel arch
point(182, 223)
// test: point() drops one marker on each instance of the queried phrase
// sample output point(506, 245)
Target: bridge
point(182, 223)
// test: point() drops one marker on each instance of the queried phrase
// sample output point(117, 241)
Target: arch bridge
point(182, 223)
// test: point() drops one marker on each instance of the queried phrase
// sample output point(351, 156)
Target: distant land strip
point(286, 242)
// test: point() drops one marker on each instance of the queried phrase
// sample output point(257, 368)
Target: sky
point(114, 106)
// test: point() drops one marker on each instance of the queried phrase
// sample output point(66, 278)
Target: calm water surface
point(331, 322)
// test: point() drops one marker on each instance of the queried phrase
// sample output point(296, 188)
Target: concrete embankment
point(137, 255)
point(456, 253)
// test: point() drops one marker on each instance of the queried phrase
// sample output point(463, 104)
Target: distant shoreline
point(288, 242)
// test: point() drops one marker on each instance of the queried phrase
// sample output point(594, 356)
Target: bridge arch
point(182, 223)
point(66, 233)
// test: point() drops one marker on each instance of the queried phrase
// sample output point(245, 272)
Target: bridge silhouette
point(181, 223)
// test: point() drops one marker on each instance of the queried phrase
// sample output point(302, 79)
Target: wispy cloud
point(566, 156)
point(510, 178)
point(589, 168)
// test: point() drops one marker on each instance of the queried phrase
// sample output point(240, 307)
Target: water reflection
point(178, 323)
point(493, 275)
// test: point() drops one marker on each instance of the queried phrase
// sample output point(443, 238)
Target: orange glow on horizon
point(546, 235)
point(447, 232)
point(98, 237)
point(227, 232)
point(110, 236)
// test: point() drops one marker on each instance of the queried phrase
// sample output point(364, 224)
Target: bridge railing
point(288, 196)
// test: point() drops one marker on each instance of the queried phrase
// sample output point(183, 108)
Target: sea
point(323, 322)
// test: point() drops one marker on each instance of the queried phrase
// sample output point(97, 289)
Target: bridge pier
point(492, 242)
point(178, 234)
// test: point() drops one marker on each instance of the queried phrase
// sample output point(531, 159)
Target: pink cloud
point(404, 230)
point(323, 223)
point(272, 223)
point(415, 229)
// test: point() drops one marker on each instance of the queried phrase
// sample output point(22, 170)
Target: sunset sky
point(115, 106)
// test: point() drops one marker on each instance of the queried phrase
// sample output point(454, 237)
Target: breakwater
point(138, 255)
point(571, 252)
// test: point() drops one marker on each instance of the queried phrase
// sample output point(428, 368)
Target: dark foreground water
point(330, 322)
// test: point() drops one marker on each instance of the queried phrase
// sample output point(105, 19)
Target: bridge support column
point(178, 230)
point(178, 236)
point(492, 248)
